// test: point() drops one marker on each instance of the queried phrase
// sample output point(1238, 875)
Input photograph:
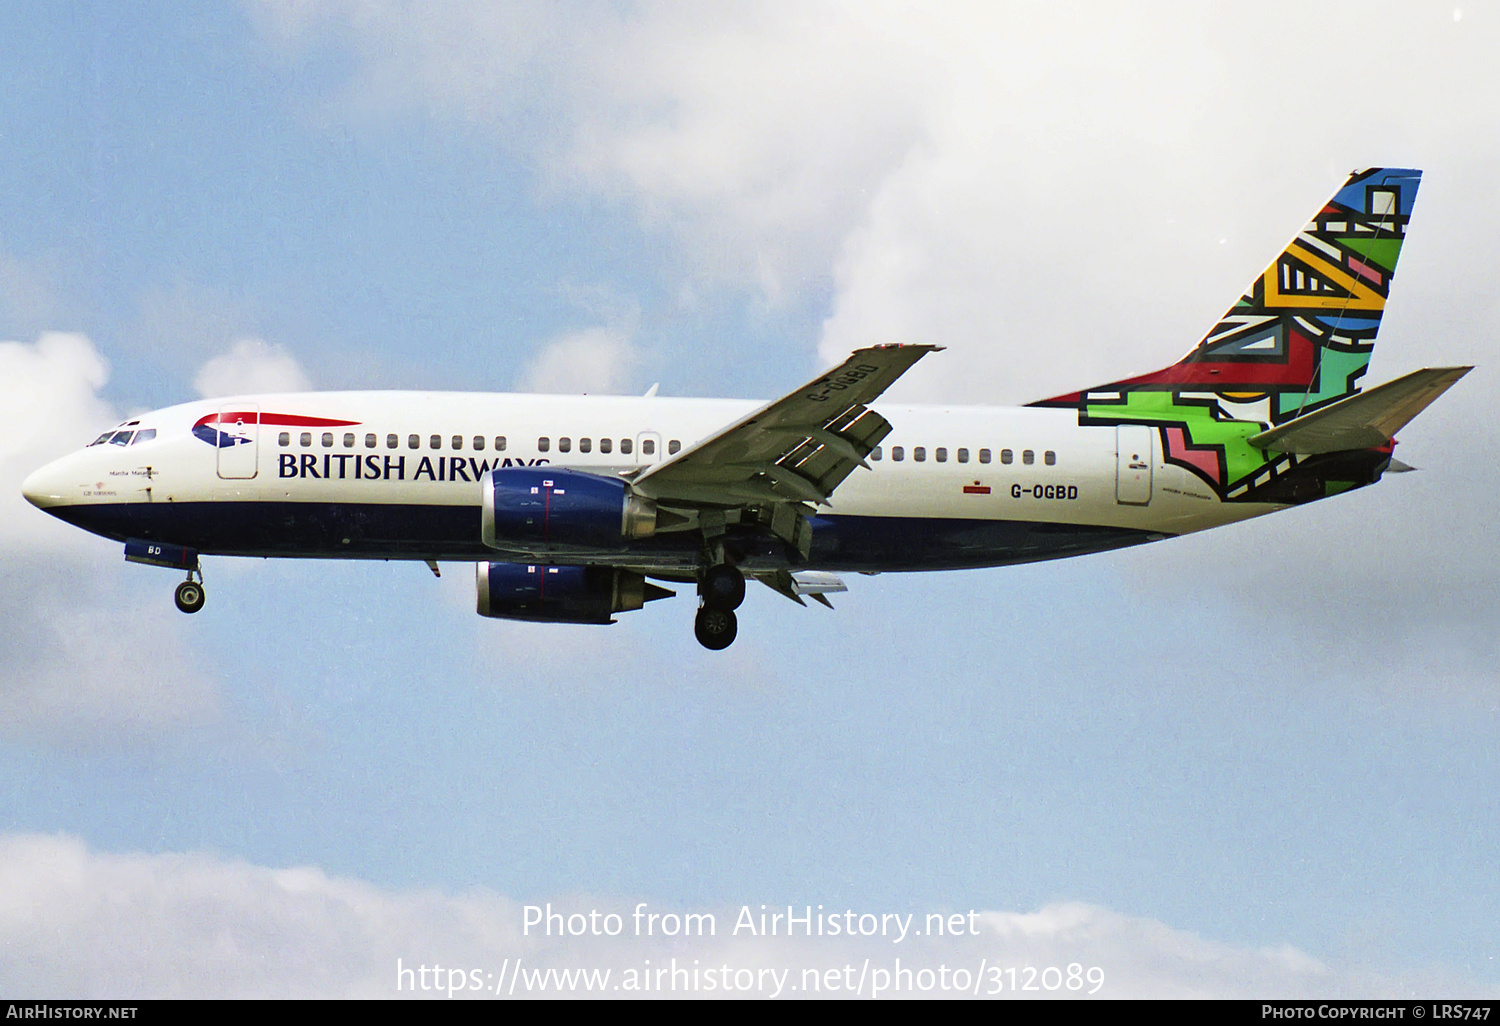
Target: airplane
point(570, 507)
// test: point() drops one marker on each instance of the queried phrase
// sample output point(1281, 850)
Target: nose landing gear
point(189, 596)
point(176, 557)
point(721, 589)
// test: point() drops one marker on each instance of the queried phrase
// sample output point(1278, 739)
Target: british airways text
point(341, 466)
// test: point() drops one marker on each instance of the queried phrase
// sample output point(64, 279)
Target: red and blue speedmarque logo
point(226, 428)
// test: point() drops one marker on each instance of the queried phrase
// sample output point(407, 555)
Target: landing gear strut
point(189, 594)
point(721, 589)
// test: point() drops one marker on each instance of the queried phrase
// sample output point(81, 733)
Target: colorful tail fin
point(1299, 339)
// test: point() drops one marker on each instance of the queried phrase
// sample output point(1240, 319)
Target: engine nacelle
point(561, 594)
point(559, 509)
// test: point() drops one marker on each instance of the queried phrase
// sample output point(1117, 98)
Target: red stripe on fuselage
point(279, 419)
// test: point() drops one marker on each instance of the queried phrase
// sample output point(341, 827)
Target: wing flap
point(1364, 421)
point(815, 583)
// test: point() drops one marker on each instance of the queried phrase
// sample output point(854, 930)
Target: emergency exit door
point(1134, 457)
point(239, 441)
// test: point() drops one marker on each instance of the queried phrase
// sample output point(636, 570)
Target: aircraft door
point(239, 441)
point(647, 448)
point(1134, 456)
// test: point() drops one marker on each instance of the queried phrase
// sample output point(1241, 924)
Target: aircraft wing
point(1362, 421)
point(788, 456)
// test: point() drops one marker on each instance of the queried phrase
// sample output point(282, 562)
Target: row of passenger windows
point(565, 444)
point(479, 442)
point(606, 445)
point(940, 455)
point(392, 441)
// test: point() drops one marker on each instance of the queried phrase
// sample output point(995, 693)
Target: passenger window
point(285, 438)
point(897, 453)
point(499, 443)
point(605, 444)
point(875, 454)
point(348, 439)
point(565, 444)
point(435, 442)
point(327, 439)
point(648, 447)
point(143, 436)
point(984, 455)
point(963, 455)
point(1028, 457)
point(543, 444)
point(585, 444)
point(919, 454)
point(391, 441)
point(1049, 458)
point(1006, 456)
point(306, 439)
point(941, 455)
point(458, 441)
point(369, 441)
point(414, 441)
point(626, 446)
point(673, 446)
point(479, 443)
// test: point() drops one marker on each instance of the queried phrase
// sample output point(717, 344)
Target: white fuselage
point(421, 454)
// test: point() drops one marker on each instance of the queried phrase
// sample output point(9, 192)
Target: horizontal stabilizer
point(1364, 421)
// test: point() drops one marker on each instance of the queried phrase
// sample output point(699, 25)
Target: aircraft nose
point(41, 487)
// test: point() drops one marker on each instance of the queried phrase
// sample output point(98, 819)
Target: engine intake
point(561, 509)
point(561, 594)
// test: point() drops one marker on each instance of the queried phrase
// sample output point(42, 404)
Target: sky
point(1259, 761)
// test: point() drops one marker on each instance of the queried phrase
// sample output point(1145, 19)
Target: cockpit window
point(120, 438)
point(143, 436)
point(101, 439)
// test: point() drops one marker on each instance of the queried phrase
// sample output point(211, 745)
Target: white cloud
point(1042, 189)
point(97, 925)
point(753, 134)
point(251, 365)
point(757, 134)
point(591, 360)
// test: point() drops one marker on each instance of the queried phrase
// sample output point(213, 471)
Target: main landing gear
point(189, 594)
point(721, 589)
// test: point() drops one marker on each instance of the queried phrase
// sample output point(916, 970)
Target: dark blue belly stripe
point(397, 531)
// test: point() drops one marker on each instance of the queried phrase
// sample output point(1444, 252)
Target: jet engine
point(561, 594)
point(539, 507)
